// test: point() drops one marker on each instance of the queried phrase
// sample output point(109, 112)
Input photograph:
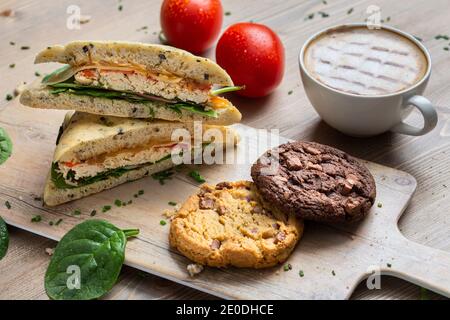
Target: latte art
point(365, 62)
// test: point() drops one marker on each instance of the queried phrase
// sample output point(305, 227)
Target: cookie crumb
point(170, 213)
point(194, 269)
point(8, 13)
point(49, 251)
point(84, 19)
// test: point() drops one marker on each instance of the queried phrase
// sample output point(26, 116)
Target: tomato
point(192, 25)
point(253, 55)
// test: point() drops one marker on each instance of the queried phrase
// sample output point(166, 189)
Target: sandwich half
point(135, 80)
point(95, 153)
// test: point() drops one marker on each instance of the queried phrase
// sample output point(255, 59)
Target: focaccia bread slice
point(94, 153)
point(37, 95)
point(151, 56)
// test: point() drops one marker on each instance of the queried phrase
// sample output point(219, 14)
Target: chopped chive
point(333, 273)
point(323, 14)
point(37, 74)
point(290, 92)
point(140, 192)
point(120, 8)
point(163, 222)
point(12, 43)
point(130, 202)
point(142, 28)
point(228, 13)
point(106, 208)
point(442, 36)
point(7, 205)
point(301, 273)
point(118, 203)
point(76, 212)
point(9, 97)
point(36, 218)
point(58, 222)
point(24, 48)
point(379, 205)
point(196, 176)
point(446, 48)
point(287, 267)
point(350, 11)
point(309, 16)
point(51, 223)
point(93, 213)
point(423, 294)
point(172, 203)
point(12, 65)
point(163, 176)
point(389, 265)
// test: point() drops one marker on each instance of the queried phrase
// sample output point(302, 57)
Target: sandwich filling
point(73, 174)
point(138, 85)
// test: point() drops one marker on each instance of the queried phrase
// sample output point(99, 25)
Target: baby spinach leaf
point(87, 261)
point(77, 89)
point(5, 146)
point(4, 238)
point(61, 183)
point(194, 108)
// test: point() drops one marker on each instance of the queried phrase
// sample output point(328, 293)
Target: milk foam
point(365, 62)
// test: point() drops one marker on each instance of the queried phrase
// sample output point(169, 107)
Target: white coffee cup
point(368, 115)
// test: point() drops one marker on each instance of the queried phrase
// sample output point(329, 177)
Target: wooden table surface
point(37, 24)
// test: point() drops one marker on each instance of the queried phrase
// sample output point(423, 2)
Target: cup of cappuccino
point(364, 82)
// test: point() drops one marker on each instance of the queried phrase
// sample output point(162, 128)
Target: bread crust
point(87, 135)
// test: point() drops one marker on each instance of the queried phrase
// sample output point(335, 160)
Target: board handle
point(421, 265)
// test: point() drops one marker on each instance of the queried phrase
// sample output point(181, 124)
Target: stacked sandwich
point(128, 99)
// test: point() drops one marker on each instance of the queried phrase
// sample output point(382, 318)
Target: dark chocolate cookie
point(315, 181)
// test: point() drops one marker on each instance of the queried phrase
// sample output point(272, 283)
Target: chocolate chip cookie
point(315, 181)
point(230, 225)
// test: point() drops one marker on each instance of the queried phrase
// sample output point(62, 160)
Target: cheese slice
point(68, 71)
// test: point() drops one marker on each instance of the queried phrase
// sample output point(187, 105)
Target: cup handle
point(429, 114)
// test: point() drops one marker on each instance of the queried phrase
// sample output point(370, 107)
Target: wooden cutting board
point(333, 259)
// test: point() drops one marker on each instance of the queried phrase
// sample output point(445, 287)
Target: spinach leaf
point(194, 108)
point(87, 261)
point(4, 238)
point(5, 146)
point(73, 88)
point(96, 92)
point(60, 182)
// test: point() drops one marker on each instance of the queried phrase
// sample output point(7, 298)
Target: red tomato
point(192, 25)
point(253, 55)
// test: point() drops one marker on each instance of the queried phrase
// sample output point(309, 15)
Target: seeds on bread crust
point(315, 181)
point(229, 225)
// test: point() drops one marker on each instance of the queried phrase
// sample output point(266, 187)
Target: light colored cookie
point(229, 225)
